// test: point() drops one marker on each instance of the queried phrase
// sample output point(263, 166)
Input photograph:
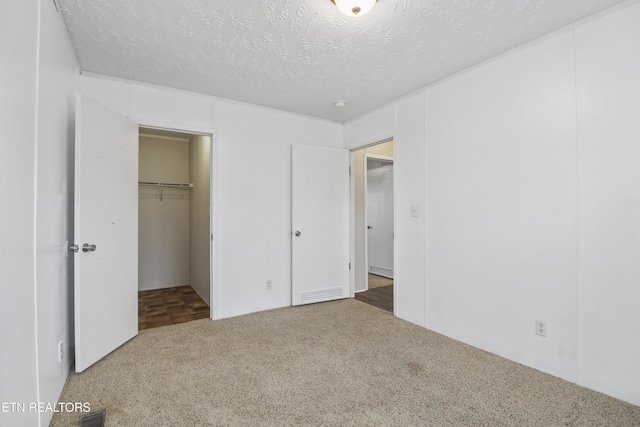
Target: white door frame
point(212, 134)
point(366, 207)
point(353, 219)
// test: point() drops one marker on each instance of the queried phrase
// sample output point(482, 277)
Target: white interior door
point(380, 217)
point(320, 224)
point(106, 215)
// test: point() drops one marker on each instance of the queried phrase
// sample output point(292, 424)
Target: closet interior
point(174, 255)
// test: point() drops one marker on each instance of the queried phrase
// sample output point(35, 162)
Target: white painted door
point(380, 217)
point(106, 215)
point(320, 224)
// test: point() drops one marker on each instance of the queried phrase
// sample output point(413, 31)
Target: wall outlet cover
point(541, 328)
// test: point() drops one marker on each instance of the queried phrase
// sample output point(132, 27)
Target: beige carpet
point(341, 363)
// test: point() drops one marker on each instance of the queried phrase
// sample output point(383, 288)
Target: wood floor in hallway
point(379, 294)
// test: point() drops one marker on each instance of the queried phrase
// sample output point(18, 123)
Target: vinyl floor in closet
point(161, 307)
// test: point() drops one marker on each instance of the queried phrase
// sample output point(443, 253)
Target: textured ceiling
point(302, 55)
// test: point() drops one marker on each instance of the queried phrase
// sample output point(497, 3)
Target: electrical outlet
point(60, 352)
point(541, 328)
point(268, 285)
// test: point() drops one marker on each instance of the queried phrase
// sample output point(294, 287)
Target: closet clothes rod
point(166, 184)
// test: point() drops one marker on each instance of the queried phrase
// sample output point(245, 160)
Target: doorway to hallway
point(374, 201)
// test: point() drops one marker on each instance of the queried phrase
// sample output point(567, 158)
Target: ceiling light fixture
point(354, 7)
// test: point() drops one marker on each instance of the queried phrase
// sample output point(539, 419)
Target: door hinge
point(349, 170)
point(349, 266)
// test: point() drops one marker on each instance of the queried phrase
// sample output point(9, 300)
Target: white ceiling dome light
point(354, 7)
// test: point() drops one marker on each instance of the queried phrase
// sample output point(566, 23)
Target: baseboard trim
point(381, 271)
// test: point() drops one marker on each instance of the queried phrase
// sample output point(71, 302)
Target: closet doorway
point(174, 243)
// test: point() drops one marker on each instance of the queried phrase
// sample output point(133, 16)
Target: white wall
point(502, 199)
point(409, 271)
point(200, 265)
point(18, 76)
point(163, 225)
point(251, 182)
point(36, 171)
point(608, 64)
point(531, 203)
point(253, 202)
point(405, 122)
point(375, 126)
point(151, 105)
point(58, 76)
point(359, 176)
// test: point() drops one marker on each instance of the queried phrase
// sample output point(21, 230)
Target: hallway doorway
point(374, 202)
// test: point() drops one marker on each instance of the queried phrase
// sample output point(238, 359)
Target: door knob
point(74, 248)
point(369, 227)
point(88, 248)
point(297, 233)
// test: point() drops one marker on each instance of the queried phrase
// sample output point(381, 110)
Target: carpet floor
point(342, 363)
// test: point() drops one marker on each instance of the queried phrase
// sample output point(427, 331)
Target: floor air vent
point(95, 419)
point(321, 295)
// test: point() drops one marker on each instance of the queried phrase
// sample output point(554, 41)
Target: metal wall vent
point(320, 295)
point(95, 419)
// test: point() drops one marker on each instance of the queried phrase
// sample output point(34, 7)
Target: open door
point(320, 224)
point(379, 215)
point(106, 232)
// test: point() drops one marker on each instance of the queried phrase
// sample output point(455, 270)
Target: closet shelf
point(186, 185)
